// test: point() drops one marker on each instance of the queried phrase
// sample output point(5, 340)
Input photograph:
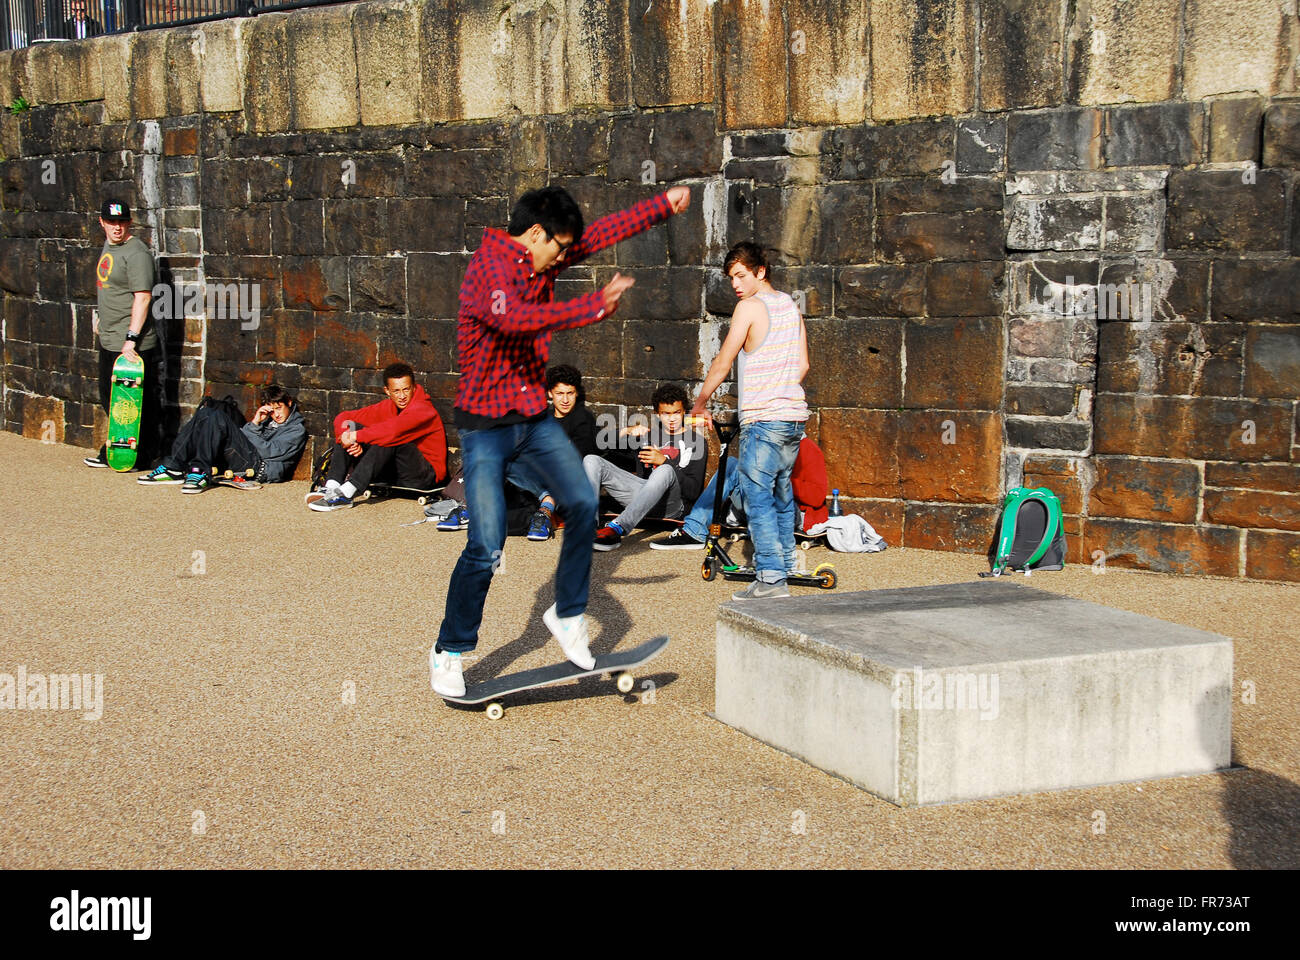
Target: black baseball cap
point(115, 210)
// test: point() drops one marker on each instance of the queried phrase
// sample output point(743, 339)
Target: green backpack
point(1029, 534)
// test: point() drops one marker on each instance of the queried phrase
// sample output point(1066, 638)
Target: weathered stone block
point(578, 145)
point(1235, 129)
point(1121, 52)
point(1161, 133)
point(1041, 401)
point(264, 48)
point(1234, 45)
point(1273, 556)
point(78, 76)
point(378, 284)
point(288, 337)
point(298, 227)
point(881, 291)
point(861, 451)
point(981, 145)
point(1054, 223)
point(1192, 429)
point(964, 529)
point(322, 69)
point(901, 150)
point(829, 60)
point(456, 173)
point(433, 283)
point(922, 59)
point(1061, 139)
point(183, 71)
point(1061, 475)
point(949, 456)
point(970, 289)
point(1133, 223)
point(1176, 359)
point(1174, 289)
point(1048, 434)
point(1253, 508)
point(1161, 490)
point(672, 53)
point(346, 342)
point(1272, 362)
point(751, 48)
point(1255, 290)
point(221, 78)
point(388, 66)
point(954, 364)
point(316, 284)
point(147, 90)
point(1165, 548)
point(1282, 135)
point(1282, 477)
point(656, 350)
point(896, 197)
point(666, 293)
point(1039, 336)
point(975, 235)
point(1020, 46)
point(357, 227)
point(858, 363)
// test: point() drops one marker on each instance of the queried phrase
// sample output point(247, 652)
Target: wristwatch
point(133, 337)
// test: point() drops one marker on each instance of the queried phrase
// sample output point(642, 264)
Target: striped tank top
point(768, 377)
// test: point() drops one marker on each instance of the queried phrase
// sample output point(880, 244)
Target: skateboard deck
point(125, 400)
point(619, 662)
point(379, 490)
point(240, 481)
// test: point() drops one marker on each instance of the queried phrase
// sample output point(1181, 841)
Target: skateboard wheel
point(805, 545)
point(421, 500)
point(626, 682)
point(707, 571)
point(495, 711)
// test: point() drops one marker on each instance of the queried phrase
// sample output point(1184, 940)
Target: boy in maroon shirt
point(503, 342)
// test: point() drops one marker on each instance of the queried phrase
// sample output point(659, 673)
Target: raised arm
point(621, 224)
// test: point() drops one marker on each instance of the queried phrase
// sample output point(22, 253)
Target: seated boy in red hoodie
point(400, 440)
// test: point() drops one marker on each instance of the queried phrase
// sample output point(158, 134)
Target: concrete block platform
point(965, 691)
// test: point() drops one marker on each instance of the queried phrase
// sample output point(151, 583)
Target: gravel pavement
point(233, 628)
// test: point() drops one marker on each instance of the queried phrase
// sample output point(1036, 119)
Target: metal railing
point(24, 22)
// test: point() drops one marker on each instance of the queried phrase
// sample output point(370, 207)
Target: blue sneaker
point(459, 520)
point(159, 475)
point(196, 483)
point(336, 502)
point(540, 526)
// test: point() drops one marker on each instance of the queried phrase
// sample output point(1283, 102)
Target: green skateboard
point(124, 405)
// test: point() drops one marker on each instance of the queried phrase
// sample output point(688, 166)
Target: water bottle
point(836, 509)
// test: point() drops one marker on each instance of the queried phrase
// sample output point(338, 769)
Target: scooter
point(716, 559)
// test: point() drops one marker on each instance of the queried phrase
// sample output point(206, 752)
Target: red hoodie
point(384, 425)
point(808, 478)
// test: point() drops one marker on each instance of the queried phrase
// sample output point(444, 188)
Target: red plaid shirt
point(506, 315)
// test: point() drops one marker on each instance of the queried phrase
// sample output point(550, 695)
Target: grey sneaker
point(758, 590)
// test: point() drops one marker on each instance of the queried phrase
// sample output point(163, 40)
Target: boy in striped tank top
point(769, 345)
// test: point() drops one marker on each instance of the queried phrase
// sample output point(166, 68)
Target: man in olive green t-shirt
point(124, 280)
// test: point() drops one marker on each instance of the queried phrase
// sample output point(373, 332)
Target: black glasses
point(563, 246)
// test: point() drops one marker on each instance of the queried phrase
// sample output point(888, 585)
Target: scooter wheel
point(707, 570)
point(827, 573)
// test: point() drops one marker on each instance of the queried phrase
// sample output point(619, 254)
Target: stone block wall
point(1050, 242)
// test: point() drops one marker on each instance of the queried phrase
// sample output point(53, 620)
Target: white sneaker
point(445, 673)
point(571, 633)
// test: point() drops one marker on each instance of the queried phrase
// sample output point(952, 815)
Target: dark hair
point(396, 371)
point(563, 373)
point(667, 394)
point(274, 393)
point(552, 208)
point(748, 253)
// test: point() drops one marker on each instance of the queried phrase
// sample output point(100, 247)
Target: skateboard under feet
point(619, 663)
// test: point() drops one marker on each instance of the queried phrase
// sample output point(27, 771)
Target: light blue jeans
point(768, 449)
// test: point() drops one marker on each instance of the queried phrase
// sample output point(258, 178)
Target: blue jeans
point(697, 521)
point(544, 450)
point(768, 449)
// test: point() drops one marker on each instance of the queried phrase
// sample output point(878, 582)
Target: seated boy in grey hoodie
point(264, 450)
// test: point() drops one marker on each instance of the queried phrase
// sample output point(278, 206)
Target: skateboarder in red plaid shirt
point(503, 342)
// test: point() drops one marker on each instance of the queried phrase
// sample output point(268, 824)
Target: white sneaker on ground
point(571, 634)
point(445, 673)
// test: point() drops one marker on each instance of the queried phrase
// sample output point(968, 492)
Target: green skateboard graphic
point(124, 405)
